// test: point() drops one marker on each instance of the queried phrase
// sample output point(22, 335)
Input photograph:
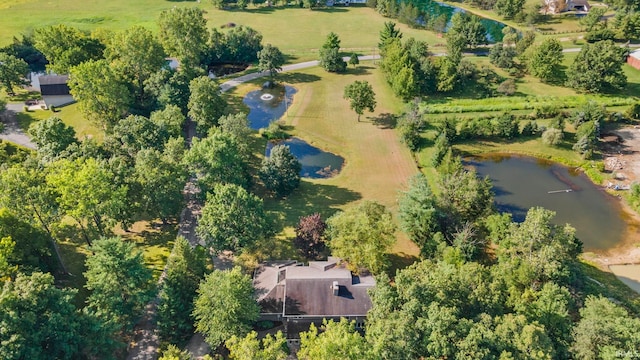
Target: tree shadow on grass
point(296, 78)
point(399, 261)
point(309, 198)
point(384, 120)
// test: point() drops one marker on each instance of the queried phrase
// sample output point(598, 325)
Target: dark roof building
point(299, 295)
point(54, 84)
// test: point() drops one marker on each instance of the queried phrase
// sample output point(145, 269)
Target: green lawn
point(376, 166)
point(298, 32)
point(69, 114)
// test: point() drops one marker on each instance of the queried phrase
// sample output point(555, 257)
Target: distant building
point(54, 85)
point(299, 295)
point(558, 6)
point(634, 59)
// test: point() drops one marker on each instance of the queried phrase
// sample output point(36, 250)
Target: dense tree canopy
point(225, 306)
point(119, 282)
point(38, 320)
point(362, 235)
point(280, 172)
point(232, 219)
point(337, 341)
point(13, 72)
point(52, 137)
point(310, 236)
point(205, 103)
point(66, 47)
point(545, 61)
point(597, 68)
point(101, 96)
point(251, 348)
point(183, 33)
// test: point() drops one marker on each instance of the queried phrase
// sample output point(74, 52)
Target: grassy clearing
point(297, 32)
point(69, 114)
point(376, 167)
point(608, 285)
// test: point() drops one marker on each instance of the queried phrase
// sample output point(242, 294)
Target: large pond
point(316, 164)
point(437, 16)
point(268, 105)
point(523, 182)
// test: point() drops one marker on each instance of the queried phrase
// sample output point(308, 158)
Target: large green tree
point(217, 158)
point(161, 180)
point(330, 58)
point(31, 247)
point(13, 72)
point(508, 8)
point(135, 55)
point(280, 172)
point(186, 267)
point(605, 331)
point(183, 33)
point(65, 47)
point(270, 59)
point(39, 320)
point(361, 97)
point(362, 235)
point(387, 34)
point(101, 96)
point(225, 306)
point(86, 192)
point(545, 61)
point(170, 120)
point(598, 68)
point(52, 137)
point(232, 219)
point(337, 341)
point(119, 282)
point(134, 133)
point(205, 103)
point(251, 348)
point(419, 215)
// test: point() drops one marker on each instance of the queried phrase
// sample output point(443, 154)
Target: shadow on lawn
point(309, 198)
point(297, 78)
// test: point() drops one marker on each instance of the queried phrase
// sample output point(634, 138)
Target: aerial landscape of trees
point(99, 226)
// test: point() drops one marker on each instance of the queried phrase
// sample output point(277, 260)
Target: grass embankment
point(376, 166)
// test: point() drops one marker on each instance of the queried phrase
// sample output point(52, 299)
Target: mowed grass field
point(377, 166)
point(297, 32)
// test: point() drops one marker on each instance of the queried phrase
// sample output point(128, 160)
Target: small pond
point(268, 105)
point(316, 164)
point(436, 16)
point(520, 183)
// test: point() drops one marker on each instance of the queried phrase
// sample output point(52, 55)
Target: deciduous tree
point(38, 320)
point(183, 33)
point(597, 68)
point(270, 59)
point(361, 97)
point(225, 306)
point(119, 282)
point(310, 236)
point(338, 340)
point(13, 72)
point(330, 58)
point(205, 103)
point(52, 137)
point(232, 219)
point(251, 348)
point(362, 236)
point(101, 96)
point(545, 61)
point(66, 47)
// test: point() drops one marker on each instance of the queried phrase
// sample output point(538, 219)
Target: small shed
point(54, 85)
point(634, 59)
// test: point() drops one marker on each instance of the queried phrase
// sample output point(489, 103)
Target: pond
point(316, 163)
point(268, 105)
point(520, 183)
point(436, 16)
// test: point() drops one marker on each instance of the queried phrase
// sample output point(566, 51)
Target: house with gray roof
point(298, 295)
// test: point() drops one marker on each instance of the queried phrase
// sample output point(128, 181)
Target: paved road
point(226, 86)
point(12, 131)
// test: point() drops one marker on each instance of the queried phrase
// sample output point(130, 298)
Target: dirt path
point(622, 159)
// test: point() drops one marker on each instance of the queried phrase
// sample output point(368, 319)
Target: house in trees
point(54, 85)
point(558, 6)
point(298, 295)
point(634, 59)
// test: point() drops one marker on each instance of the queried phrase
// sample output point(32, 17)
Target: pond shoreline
point(627, 250)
